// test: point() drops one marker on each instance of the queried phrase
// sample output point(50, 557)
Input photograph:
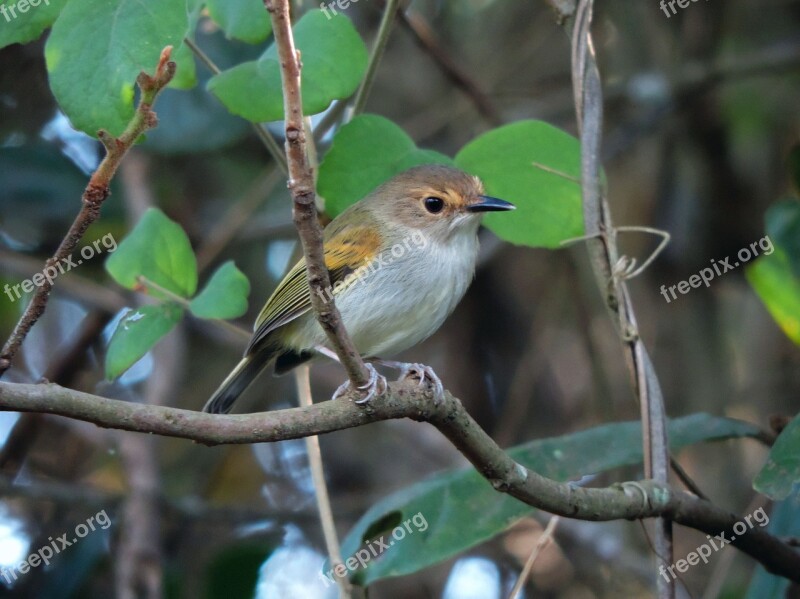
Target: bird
point(399, 260)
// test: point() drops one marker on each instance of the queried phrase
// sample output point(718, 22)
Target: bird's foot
point(371, 388)
point(424, 374)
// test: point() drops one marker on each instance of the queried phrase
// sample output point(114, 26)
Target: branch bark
point(94, 195)
point(608, 265)
point(403, 399)
point(301, 185)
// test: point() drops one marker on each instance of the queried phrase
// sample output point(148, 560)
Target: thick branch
point(94, 195)
point(301, 185)
point(643, 499)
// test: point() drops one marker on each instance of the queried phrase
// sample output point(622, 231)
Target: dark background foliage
point(701, 116)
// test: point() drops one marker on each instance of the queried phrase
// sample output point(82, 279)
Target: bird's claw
point(372, 387)
point(420, 371)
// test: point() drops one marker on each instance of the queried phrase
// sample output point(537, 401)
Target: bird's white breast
point(404, 295)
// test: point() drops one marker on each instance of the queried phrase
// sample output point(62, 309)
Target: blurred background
point(701, 115)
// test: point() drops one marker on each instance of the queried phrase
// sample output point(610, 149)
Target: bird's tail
point(234, 385)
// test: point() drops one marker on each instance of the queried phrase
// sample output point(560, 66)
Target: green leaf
point(96, 50)
point(245, 20)
point(366, 152)
point(782, 469)
point(783, 229)
point(224, 296)
point(18, 27)
point(158, 250)
point(137, 332)
point(772, 279)
point(334, 60)
point(463, 510)
point(510, 162)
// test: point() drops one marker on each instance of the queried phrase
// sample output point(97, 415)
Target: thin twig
point(385, 28)
point(544, 539)
point(303, 383)
point(426, 37)
point(94, 195)
point(404, 399)
point(301, 185)
point(265, 136)
point(606, 261)
point(331, 118)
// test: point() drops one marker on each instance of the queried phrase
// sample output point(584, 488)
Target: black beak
point(488, 204)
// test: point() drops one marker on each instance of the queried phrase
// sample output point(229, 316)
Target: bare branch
point(403, 399)
point(602, 244)
point(301, 185)
point(94, 195)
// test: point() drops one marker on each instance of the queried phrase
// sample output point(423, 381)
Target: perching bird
point(399, 260)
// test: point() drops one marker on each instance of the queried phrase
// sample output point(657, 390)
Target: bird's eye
point(434, 205)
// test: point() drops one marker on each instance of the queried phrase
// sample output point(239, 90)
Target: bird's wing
point(348, 248)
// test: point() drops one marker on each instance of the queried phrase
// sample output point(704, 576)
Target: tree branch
point(301, 185)
point(94, 195)
point(404, 399)
point(607, 265)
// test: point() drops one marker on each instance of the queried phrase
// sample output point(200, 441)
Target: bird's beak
point(488, 204)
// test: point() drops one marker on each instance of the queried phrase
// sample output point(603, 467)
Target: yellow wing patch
point(347, 249)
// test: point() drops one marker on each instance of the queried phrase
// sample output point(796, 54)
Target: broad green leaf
point(516, 163)
point(782, 469)
point(772, 279)
point(463, 510)
point(224, 296)
point(21, 26)
point(783, 228)
point(784, 522)
point(137, 332)
point(334, 59)
point(245, 20)
point(96, 50)
point(366, 152)
point(158, 250)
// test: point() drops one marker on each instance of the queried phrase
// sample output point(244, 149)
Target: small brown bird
point(399, 260)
